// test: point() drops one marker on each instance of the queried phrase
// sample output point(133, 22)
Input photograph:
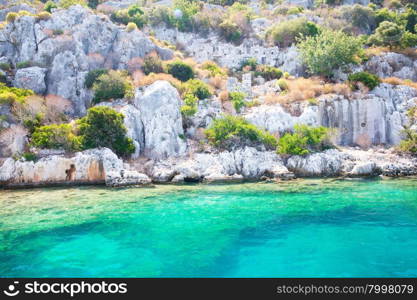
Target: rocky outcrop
point(71, 43)
point(163, 134)
point(246, 163)
point(12, 140)
point(373, 119)
point(276, 119)
point(32, 78)
point(88, 167)
point(392, 65)
point(327, 163)
point(230, 55)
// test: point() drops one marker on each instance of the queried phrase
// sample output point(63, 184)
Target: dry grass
point(301, 89)
point(377, 51)
point(151, 78)
point(399, 81)
point(218, 82)
point(224, 96)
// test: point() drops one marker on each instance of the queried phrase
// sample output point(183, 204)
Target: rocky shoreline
point(102, 166)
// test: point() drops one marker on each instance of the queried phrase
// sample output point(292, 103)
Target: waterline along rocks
point(120, 95)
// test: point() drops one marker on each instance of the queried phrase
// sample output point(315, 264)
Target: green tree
point(329, 50)
point(103, 127)
point(387, 34)
point(112, 85)
point(180, 70)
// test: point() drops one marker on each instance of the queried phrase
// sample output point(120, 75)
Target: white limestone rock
point(126, 178)
point(327, 163)
point(32, 78)
point(159, 108)
point(13, 140)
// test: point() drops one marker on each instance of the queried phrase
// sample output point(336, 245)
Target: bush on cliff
point(180, 70)
point(9, 95)
point(329, 50)
point(371, 81)
point(152, 64)
point(113, 85)
point(285, 34)
point(49, 6)
point(134, 14)
point(69, 3)
point(409, 143)
point(304, 140)
point(103, 127)
point(197, 88)
point(92, 76)
point(238, 100)
point(55, 136)
point(230, 131)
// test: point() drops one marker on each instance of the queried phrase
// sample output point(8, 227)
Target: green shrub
point(69, 3)
point(55, 136)
point(131, 27)
point(329, 50)
point(250, 63)
point(190, 107)
point(408, 40)
point(371, 81)
point(180, 70)
point(360, 16)
point(268, 72)
point(92, 76)
point(33, 123)
point(23, 64)
point(197, 88)
point(410, 17)
point(43, 15)
point(230, 31)
point(11, 17)
point(113, 85)
point(384, 14)
point(238, 100)
point(409, 142)
point(29, 156)
point(387, 34)
point(5, 66)
point(286, 33)
point(93, 3)
point(282, 84)
point(213, 68)
point(152, 64)
point(103, 127)
point(134, 14)
point(188, 9)
point(8, 95)
point(231, 131)
point(304, 140)
point(49, 6)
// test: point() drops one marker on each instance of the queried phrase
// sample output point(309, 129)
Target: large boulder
point(159, 107)
point(327, 163)
point(32, 78)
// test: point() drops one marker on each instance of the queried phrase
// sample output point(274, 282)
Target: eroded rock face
point(276, 120)
point(90, 166)
point(32, 78)
point(71, 43)
point(375, 118)
point(246, 163)
point(13, 140)
point(159, 108)
point(392, 65)
point(229, 55)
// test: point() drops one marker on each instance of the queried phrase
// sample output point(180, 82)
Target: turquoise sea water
point(305, 228)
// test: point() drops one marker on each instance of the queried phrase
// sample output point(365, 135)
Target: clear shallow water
point(308, 228)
